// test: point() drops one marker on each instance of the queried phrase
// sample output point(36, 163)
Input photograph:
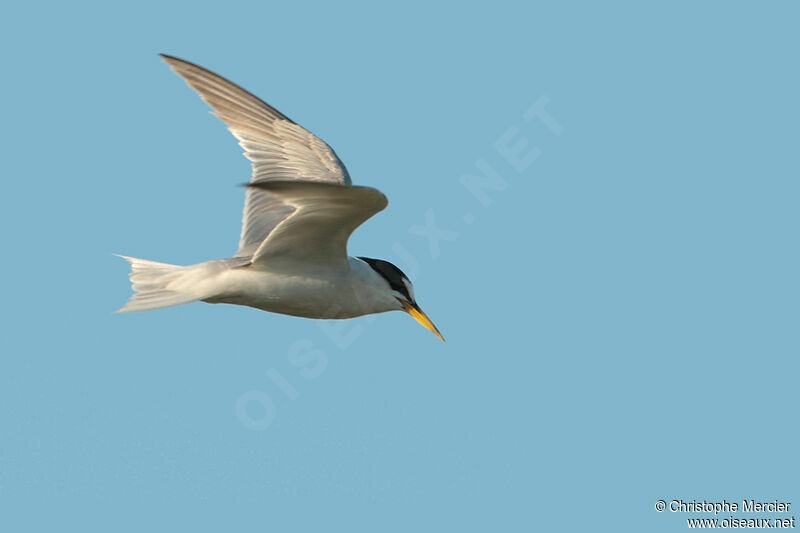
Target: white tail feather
point(152, 284)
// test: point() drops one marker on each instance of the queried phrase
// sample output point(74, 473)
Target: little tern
point(300, 209)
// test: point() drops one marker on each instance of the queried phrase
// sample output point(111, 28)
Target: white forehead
point(409, 288)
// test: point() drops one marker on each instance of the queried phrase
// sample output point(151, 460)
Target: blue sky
point(597, 205)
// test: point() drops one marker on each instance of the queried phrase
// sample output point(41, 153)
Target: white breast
point(322, 293)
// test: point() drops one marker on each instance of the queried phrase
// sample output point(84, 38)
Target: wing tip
point(175, 63)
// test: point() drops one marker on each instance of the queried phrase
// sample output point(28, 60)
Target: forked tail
point(154, 285)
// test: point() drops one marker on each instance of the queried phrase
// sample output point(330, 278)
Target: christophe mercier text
point(747, 506)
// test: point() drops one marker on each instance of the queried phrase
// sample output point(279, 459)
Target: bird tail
point(154, 286)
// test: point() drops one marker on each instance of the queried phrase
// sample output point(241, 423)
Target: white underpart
point(310, 292)
point(313, 293)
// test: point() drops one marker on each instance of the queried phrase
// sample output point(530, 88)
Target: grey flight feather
point(322, 219)
point(278, 148)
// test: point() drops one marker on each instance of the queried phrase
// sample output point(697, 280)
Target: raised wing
point(323, 217)
point(278, 148)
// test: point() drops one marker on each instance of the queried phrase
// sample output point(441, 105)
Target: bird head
point(402, 290)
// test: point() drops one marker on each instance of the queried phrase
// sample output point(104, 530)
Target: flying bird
point(300, 209)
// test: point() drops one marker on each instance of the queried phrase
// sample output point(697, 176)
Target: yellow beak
point(422, 318)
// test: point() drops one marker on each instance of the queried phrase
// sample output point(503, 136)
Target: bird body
point(348, 292)
point(300, 209)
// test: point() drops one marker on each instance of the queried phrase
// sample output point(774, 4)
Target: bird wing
point(323, 217)
point(278, 148)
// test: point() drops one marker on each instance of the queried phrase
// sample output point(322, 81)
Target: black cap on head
point(393, 275)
